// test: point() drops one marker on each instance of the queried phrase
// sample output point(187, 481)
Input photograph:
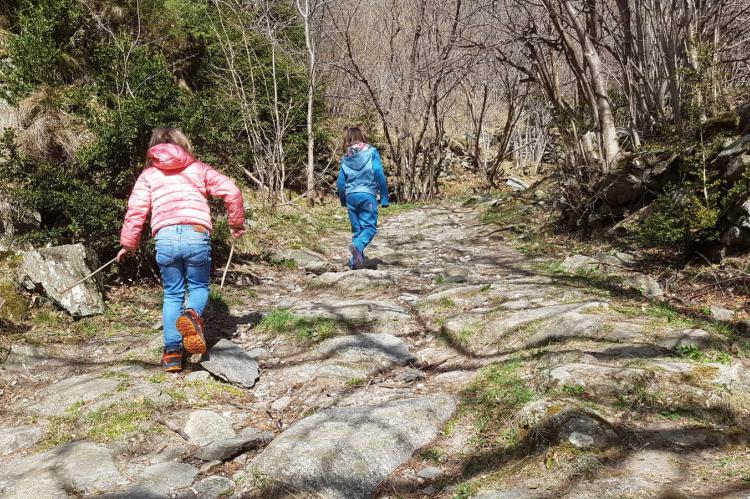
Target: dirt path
point(458, 368)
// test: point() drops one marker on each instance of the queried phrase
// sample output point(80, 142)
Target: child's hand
point(238, 233)
point(122, 254)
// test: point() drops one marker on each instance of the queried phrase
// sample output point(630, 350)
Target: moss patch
point(61, 429)
point(121, 420)
point(13, 306)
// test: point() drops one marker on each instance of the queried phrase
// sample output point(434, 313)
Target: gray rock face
point(16, 219)
point(150, 392)
point(56, 398)
point(231, 363)
point(347, 452)
point(693, 337)
point(721, 314)
point(222, 450)
point(516, 184)
point(585, 432)
point(580, 263)
point(385, 349)
point(647, 285)
point(621, 188)
point(354, 280)
point(161, 478)
point(454, 274)
point(51, 270)
point(18, 437)
point(737, 167)
point(596, 379)
point(204, 427)
point(740, 146)
point(356, 312)
point(304, 258)
point(213, 487)
point(25, 358)
point(430, 473)
point(80, 466)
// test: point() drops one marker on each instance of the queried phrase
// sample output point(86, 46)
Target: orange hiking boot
point(190, 326)
point(171, 360)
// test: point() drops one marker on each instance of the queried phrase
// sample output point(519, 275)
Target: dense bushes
point(91, 81)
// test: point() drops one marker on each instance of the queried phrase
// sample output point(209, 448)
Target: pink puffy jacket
point(176, 188)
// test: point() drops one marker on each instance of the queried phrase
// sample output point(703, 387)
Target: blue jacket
point(362, 172)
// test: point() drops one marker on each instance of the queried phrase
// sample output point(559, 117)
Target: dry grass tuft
point(49, 133)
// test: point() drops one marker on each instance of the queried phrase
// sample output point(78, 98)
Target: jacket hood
point(360, 159)
point(169, 157)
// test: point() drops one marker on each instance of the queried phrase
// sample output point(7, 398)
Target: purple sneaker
point(359, 258)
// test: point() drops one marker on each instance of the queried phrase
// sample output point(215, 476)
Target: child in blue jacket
point(361, 179)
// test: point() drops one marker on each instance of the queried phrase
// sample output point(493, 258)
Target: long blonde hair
point(170, 136)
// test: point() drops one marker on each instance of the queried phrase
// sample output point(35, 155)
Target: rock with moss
point(302, 258)
point(646, 285)
point(581, 263)
point(56, 398)
point(52, 270)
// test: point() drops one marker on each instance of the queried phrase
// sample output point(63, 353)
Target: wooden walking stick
point(91, 275)
point(229, 261)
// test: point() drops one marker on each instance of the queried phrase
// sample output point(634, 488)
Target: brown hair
point(353, 135)
point(170, 136)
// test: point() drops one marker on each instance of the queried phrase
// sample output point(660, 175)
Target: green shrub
point(678, 223)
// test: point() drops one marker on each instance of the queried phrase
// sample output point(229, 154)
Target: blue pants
point(184, 258)
point(363, 214)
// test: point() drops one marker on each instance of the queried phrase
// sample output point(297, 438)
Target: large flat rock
point(354, 311)
point(54, 399)
point(596, 379)
point(231, 363)
point(77, 467)
point(18, 437)
point(354, 280)
point(347, 452)
point(384, 349)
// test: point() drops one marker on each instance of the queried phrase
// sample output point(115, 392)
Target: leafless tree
point(309, 11)
point(250, 84)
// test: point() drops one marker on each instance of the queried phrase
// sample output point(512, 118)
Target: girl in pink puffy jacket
point(175, 189)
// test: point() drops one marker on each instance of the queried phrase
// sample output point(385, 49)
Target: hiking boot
point(357, 256)
point(190, 326)
point(171, 360)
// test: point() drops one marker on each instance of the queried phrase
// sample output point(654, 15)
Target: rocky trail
point(455, 367)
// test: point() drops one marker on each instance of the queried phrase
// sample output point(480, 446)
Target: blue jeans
point(363, 214)
point(184, 258)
